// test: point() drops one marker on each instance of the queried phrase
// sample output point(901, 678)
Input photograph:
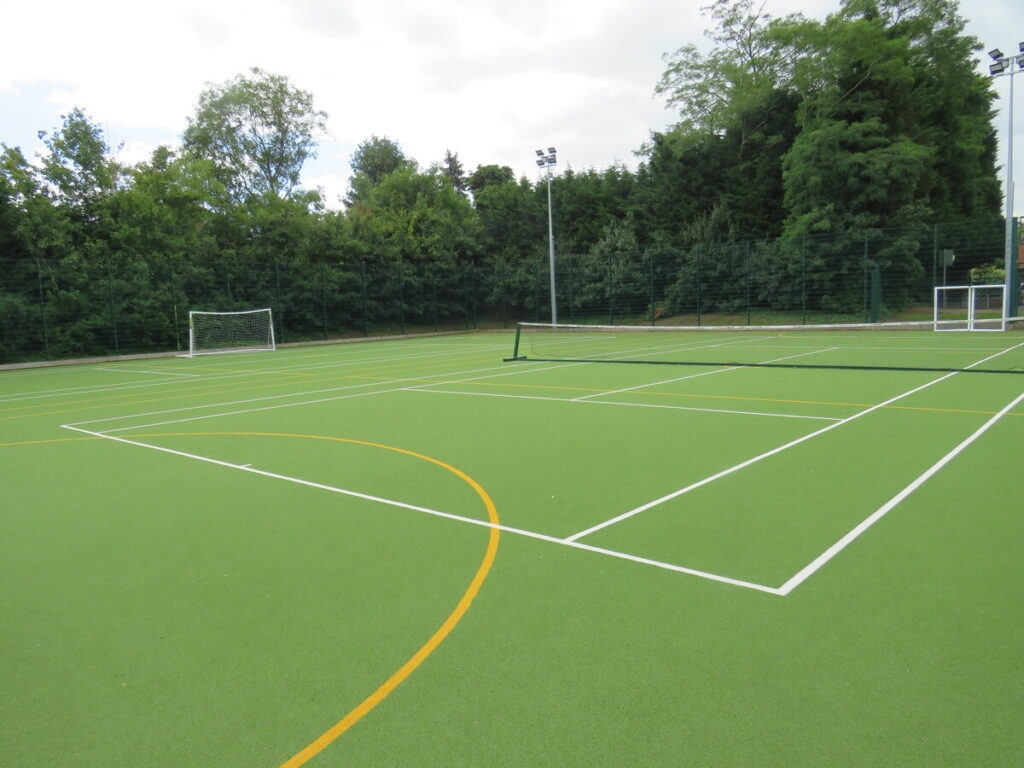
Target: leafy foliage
point(257, 130)
point(811, 160)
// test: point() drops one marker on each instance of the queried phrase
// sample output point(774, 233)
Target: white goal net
point(216, 332)
point(970, 307)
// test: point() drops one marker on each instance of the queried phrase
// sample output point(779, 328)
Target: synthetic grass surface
point(161, 610)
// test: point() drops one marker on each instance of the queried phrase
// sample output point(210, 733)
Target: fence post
point(572, 300)
point(803, 280)
point(608, 287)
point(503, 282)
point(433, 286)
point(651, 311)
point(113, 313)
point(279, 331)
point(864, 271)
point(697, 249)
point(362, 281)
point(747, 259)
point(323, 297)
point(174, 305)
point(876, 292)
point(42, 307)
point(401, 294)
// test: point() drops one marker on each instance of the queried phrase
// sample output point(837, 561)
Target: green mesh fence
point(80, 308)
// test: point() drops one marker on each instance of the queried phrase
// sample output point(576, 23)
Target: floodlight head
point(998, 68)
point(996, 54)
point(540, 163)
point(540, 153)
point(1020, 46)
point(551, 150)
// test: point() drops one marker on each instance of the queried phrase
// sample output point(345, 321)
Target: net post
point(515, 346)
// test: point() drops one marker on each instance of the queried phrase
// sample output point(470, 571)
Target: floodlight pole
point(1008, 66)
point(546, 160)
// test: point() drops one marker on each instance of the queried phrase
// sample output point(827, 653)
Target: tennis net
point(995, 346)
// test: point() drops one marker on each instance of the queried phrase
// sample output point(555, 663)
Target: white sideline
point(629, 405)
point(383, 383)
point(773, 451)
point(704, 373)
point(204, 377)
point(437, 513)
point(816, 564)
point(142, 370)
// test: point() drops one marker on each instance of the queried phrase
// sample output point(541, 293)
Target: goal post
point(211, 333)
point(970, 307)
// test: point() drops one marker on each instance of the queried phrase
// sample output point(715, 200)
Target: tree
point(258, 130)
point(374, 159)
point(451, 167)
point(747, 67)
point(488, 176)
point(892, 110)
point(843, 175)
point(78, 164)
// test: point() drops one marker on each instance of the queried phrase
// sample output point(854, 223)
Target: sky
point(490, 80)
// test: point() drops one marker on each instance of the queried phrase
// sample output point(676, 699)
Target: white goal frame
point(971, 323)
point(250, 330)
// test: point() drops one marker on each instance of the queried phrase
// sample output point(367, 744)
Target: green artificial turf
point(158, 609)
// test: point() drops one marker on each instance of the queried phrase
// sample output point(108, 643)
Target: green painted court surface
point(695, 566)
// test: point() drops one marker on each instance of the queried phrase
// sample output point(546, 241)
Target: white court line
point(816, 564)
point(206, 377)
point(613, 402)
point(772, 452)
point(142, 370)
point(437, 513)
point(659, 350)
point(296, 394)
point(698, 375)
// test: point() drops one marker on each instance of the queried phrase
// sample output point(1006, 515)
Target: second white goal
point(210, 333)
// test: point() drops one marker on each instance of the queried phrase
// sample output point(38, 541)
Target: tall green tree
point(78, 164)
point(258, 130)
point(33, 227)
point(452, 169)
point(746, 69)
point(890, 96)
point(374, 159)
point(488, 176)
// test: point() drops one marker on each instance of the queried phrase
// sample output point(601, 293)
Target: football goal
point(218, 332)
point(970, 307)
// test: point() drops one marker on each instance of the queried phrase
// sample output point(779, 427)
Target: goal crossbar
point(250, 330)
point(961, 303)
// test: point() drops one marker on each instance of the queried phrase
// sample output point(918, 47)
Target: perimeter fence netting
point(77, 307)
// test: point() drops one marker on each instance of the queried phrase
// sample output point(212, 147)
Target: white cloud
point(488, 79)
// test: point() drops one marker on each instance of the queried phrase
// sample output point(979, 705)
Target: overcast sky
point(491, 80)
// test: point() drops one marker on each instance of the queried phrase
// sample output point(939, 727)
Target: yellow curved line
point(331, 734)
point(52, 440)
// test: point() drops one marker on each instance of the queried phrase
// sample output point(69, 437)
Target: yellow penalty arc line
point(325, 739)
point(331, 734)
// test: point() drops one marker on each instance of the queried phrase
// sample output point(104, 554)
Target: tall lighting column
point(545, 160)
point(1008, 66)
